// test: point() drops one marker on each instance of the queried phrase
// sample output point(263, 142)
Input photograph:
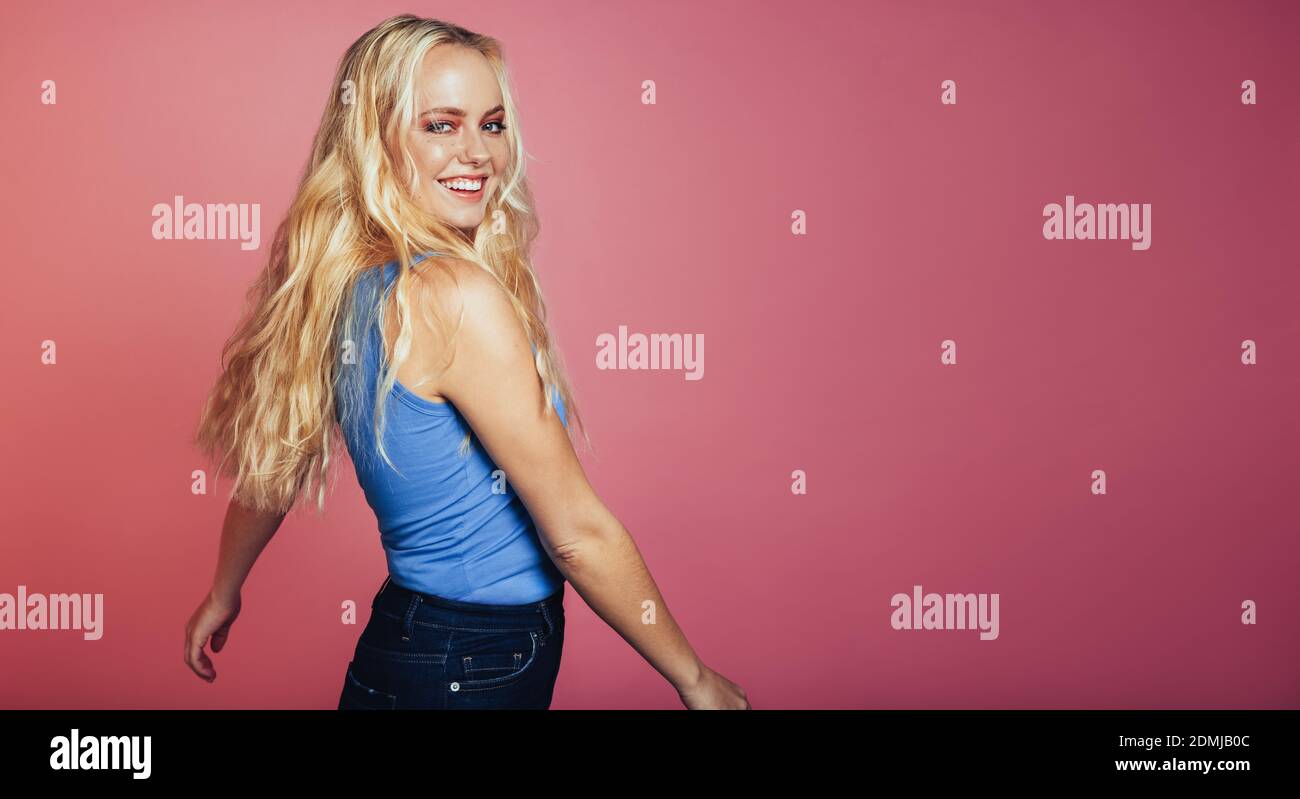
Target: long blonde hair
point(271, 417)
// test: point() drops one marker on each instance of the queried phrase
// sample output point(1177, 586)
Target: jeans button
point(455, 686)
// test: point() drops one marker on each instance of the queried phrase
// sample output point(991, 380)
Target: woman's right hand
point(211, 619)
point(713, 692)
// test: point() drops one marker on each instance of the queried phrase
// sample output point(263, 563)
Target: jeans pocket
point(359, 696)
point(487, 660)
point(410, 669)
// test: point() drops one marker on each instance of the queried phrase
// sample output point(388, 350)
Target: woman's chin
point(462, 221)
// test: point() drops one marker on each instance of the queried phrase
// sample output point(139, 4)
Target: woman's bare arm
point(493, 383)
point(606, 568)
point(244, 535)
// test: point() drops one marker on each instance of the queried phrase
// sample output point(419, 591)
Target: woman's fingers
point(219, 638)
point(202, 664)
point(195, 657)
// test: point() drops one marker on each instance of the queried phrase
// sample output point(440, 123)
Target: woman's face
point(459, 132)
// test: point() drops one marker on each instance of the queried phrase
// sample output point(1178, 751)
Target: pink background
point(822, 351)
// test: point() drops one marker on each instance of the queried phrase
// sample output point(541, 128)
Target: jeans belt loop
point(408, 622)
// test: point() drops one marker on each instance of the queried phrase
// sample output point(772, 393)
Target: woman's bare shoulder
point(460, 305)
point(452, 286)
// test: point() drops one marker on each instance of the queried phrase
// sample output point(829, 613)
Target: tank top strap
point(391, 268)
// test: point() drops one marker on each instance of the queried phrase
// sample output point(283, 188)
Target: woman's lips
point(467, 196)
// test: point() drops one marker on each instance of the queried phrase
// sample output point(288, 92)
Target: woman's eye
point(433, 127)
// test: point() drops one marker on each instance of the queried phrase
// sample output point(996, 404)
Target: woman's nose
point(472, 146)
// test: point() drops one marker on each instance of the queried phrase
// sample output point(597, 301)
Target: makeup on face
point(459, 139)
point(467, 183)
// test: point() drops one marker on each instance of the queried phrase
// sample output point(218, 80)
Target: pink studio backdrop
point(822, 351)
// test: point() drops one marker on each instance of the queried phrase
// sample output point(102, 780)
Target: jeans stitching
point(550, 624)
point(467, 664)
point(403, 657)
point(463, 629)
point(509, 679)
point(387, 698)
point(410, 616)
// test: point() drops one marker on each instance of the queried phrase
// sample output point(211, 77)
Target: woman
point(397, 313)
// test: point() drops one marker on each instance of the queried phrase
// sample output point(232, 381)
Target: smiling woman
point(456, 167)
point(413, 211)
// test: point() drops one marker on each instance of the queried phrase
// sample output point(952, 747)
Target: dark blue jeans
point(421, 651)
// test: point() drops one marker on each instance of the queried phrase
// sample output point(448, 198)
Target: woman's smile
point(470, 189)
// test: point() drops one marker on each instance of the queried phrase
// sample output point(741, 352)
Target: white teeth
point(463, 185)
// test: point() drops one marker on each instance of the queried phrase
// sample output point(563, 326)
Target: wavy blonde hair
point(284, 395)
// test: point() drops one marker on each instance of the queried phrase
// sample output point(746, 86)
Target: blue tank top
point(444, 529)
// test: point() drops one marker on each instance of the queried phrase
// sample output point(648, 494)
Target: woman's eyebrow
point(457, 112)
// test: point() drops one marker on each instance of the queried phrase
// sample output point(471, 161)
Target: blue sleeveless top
point(449, 527)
